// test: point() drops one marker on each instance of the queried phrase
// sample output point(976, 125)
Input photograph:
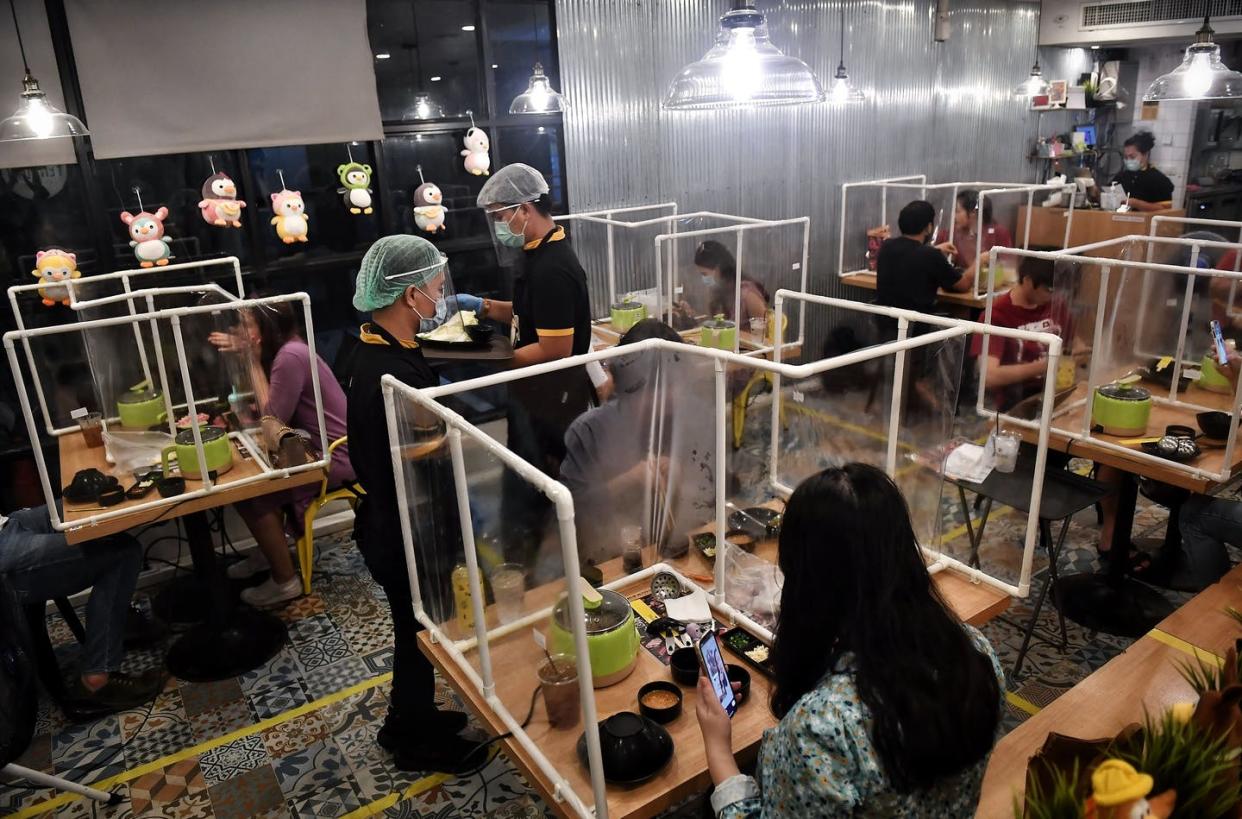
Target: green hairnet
point(512, 185)
point(380, 280)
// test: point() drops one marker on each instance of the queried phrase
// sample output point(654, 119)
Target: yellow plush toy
point(1120, 792)
point(53, 266)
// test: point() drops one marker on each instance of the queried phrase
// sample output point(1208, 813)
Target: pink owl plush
point(289, 216)
point(146, 237)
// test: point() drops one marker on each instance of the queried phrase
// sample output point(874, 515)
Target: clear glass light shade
point(539, 97)
point(841, 90)
point(36, 118)
point(425, 107)
point(1201, 76)
point(1033, 86)
point(743, 68)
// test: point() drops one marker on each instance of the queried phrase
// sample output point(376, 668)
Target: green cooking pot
point(625, 314)
point(142, 408)
point(719, 333)
point(1121, 409)
point(612, 639)
point(217, 451)
point(1211, 378)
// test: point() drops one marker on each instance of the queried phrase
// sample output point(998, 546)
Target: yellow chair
point(350, 493)
point(743, 398)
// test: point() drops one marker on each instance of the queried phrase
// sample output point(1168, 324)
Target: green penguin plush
point(355, 177)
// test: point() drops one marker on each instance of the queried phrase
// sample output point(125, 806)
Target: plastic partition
point(494, 532)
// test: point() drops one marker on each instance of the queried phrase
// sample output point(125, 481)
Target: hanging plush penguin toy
point(355, 177)
point(478, 161)
point(220, 206)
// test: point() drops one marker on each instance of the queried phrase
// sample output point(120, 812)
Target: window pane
point(174, 181)
point(430, 51)
point(312, 171)
point(42, 208)
point(540, 147)
point(521, 35)
point(440, 157)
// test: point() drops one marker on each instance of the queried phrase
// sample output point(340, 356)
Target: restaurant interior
point(523, 408)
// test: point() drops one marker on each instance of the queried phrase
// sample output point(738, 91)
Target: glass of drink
point(558, 676)
point(1006, 451)
point(91, 424)
point(759, 326)
point(509, 589)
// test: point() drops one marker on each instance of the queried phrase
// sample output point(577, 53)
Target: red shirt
point(1052, 317)
point(994, 235)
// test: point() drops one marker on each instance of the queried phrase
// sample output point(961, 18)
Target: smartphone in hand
point(1222, 355)
point(714, 667)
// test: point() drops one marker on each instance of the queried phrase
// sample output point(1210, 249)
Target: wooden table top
point(605, 336)
point(1145, 676)
point(76, 455)
point(1202, 621)
point(867, 281)
point(1162, 415)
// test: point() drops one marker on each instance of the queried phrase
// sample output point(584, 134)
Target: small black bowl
point(737, 674)
point(684, 663)
point(111, 497)
point(633, 748)
point(1179, 431)
point(481, 333)
point(170, 487)
point(660, 715)
point(1215, 425)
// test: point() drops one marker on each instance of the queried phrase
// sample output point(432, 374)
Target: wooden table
point(1202, 621)
point(605, 336)
point(1048, 227)
point(970, 300)
point(1145, 676)
point(235, 638)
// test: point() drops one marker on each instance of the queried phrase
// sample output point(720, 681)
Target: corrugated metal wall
point(944, 109)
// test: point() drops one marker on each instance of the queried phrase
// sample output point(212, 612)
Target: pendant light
point(743, 68)
point(842, 90)
point(1034, 85)
point(424, 106)
point(35, 117)
point(1201, 76)
point(539, 97)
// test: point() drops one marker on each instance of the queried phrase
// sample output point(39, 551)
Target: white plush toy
point(478, 162)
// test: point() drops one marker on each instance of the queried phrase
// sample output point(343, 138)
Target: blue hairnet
point(391, 265)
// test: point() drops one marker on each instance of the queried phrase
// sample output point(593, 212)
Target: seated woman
point(279, 364)
point(715, 264)
point(889, 705)
point(966, 235)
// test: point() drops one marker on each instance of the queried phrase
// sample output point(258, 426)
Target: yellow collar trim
point(366, 336)
point(557, 235)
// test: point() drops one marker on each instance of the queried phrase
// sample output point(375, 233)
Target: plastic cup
point(509, 589)
point(559, 680)
point(91, 425)
point(759, 326)
point(1006, 451)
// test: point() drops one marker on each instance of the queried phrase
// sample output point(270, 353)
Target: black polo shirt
point(1148, 185)
point(550, 295)
point(908, 274)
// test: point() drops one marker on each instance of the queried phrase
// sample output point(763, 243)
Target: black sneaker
point(394, 732)
point(122, 691)
point(444, 754)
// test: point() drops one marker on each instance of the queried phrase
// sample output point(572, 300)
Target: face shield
point(438, 306)
point(502, 197)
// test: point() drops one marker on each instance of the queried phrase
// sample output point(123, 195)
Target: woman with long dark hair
point(889, 705)
point(966, 231)
point(718, 270)
point(279, 362)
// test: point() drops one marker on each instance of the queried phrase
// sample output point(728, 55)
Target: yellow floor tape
point(1184, 647)
point(1022, 703)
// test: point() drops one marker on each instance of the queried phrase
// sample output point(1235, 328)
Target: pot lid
point(138, 396)
point(186, 436)
point(626, 305)
point(1125, 392)
point(719, 322)
point(611, 612)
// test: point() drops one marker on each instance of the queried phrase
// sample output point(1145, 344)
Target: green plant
point(1059, 800)
point(1185, 757)
point(1235, 614)
point(1202, 675)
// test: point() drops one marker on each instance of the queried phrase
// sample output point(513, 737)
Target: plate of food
point(462, 331)
point(749, 648)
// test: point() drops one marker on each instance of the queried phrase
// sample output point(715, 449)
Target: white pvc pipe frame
point(562, 499)
point(984, 190)
point(173, 316)
point(1094, 375)
point(124, 276)
point(1222, 224)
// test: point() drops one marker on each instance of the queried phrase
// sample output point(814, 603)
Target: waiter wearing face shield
point(401, 283)
point(550, 319)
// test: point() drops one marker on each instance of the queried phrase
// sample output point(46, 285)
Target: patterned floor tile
point(201, 697)
point(233, 759)
point(322, 651)
point(252, 793)
point(90, 809)
point(89, 748)
point(314, 768)
point(330, 801)
point(307, 606)
point(282, 668)
point(166, 710)
point(149, 746)
point(195, 805)
point(220, 721)
point(357, 741)
point(379, 662)
point(163, 787)
point(271, 702)
point(294, 735)
point(365, 636)
point(358, 709)
point(310, 629)
point(338, 676)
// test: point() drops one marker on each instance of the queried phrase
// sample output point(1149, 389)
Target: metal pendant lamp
point(842, 90)
point(539, 97)
point(1201, 76)
point(1034, 85)
point(743, 68)
point(35, 117)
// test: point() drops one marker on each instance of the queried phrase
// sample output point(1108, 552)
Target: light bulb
point(1198, 77)
point(840, 90)
point(40, 119)
point(740, 73)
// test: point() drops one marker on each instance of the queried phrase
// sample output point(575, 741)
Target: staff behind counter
point(1145, 186)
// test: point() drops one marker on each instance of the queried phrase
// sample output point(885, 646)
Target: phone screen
point(714, 666)
point(1221, 354)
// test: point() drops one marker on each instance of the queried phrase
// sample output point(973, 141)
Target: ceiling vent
point(1154, 12)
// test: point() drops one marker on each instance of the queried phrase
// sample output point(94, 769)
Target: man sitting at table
point(909, 271)
point(41, 565)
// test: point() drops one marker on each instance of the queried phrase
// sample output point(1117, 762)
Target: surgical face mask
point(1132, 164)
point(507, 236)
point(426, 325)
point(708, 280)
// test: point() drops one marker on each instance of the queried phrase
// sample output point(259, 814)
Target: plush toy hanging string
point(428, 205)
point(478, 162)
point(356, 179)
point(289, 213)
point(220, 206)
point(146, 234)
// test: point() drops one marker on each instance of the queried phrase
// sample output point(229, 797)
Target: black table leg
point(1110, 601)
point(236, 638)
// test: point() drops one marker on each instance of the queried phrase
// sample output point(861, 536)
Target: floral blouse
point(819, 761)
